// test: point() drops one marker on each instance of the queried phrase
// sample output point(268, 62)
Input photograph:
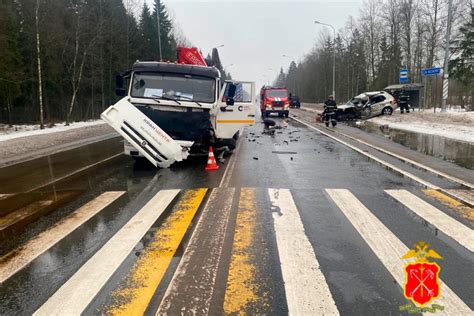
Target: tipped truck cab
point(170, 111)
point(274, 100)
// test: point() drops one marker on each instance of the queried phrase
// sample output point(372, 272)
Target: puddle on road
point(458, 152)
point(19, 210)
point(29, 175)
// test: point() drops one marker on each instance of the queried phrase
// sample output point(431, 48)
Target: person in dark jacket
point(330, 105)
point(329, 113)
point(403, 100)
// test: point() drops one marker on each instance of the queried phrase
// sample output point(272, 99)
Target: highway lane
point(243, 246)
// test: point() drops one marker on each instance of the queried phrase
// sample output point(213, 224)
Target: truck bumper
point(277, 111)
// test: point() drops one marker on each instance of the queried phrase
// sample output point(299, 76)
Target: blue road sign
point(403, 75)
point(430, 71)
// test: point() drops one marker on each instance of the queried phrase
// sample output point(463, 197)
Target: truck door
point(140, 131)
point(230, 118)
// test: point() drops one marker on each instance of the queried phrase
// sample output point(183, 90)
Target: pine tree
point(281, 79)
point(11, 71)
point(462, 67)
point(168, 43)
point(147, 33)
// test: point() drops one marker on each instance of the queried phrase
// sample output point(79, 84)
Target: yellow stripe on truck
point(144, 278)
point(236, 121)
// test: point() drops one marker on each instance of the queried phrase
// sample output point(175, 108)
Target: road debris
point(284, 152)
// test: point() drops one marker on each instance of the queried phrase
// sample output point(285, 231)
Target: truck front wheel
point(230, 143)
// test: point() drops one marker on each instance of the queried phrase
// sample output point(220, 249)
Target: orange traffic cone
point(211, 161)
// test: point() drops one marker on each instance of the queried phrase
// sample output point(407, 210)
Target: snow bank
point(17, 131)
point(453, 125)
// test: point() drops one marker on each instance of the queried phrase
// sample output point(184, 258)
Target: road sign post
point(403, 75)
point(430, 71)
point(435, 71)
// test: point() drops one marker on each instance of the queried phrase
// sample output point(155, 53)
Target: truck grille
point(277, 103)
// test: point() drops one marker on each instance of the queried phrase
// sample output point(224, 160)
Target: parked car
point(294, 101)
point(367, 104)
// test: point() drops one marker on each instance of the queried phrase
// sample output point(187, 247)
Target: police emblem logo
point(422, 276)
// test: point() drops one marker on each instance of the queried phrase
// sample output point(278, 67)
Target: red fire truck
point(274, 100)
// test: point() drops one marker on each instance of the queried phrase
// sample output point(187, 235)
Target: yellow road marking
point(462, 209)
point(145, 276)
point(236, 121)
point(241, 285)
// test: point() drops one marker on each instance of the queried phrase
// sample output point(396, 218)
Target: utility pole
point(158, 25)
point(446, 57)
point(333, 60)
point(38, 52)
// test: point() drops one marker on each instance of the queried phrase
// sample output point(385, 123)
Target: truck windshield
point(277, 93)
point(175, 86)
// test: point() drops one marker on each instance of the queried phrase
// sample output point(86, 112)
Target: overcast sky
point(256, 34)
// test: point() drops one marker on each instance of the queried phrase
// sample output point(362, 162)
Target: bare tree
point(407, 13)
point(77, 67)
point(370, 28)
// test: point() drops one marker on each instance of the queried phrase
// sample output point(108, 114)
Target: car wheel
point(387, 111)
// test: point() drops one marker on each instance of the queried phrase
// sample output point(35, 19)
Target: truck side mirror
point(119, 90)
point(230, 101)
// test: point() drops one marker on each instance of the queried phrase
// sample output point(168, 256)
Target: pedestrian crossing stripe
point(241, 289)
point(74, 296)
point(17, 259)
point(387, 247)
point(307, 292)
point(454, 229)
point(298, 258)
point(134, 296)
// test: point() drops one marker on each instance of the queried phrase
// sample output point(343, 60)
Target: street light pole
point(158, 25)
point(333, 60)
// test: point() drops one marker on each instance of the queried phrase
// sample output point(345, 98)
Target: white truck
point(170, 111)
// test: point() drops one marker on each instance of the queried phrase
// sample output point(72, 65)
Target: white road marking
point(200, 287)
point(307, 292)
point(74, 296)
point(387, 247)
point(47, 239)
point(412, 162)
point(463, 195)
point(454, 229)
point(4, 196)
point(380, 161)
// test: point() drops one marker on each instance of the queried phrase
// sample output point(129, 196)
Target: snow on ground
point(452, 124)
point(16, 131)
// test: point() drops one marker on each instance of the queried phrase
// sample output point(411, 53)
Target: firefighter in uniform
point(403, 100)
point(329, 113)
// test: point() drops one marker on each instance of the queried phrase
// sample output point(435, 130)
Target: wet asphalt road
point(296, 158)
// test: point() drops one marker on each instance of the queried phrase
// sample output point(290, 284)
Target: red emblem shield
point(422, 282)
